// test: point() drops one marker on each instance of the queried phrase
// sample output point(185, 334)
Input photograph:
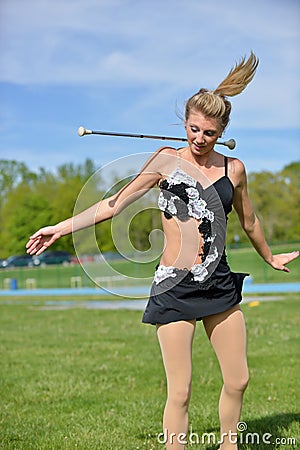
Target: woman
point(193, 282)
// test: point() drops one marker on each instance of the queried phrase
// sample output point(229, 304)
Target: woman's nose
point(200, 137)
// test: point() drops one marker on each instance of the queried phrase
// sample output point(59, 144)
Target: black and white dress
point(206, 288)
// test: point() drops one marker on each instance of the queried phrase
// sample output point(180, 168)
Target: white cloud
point(134, 41)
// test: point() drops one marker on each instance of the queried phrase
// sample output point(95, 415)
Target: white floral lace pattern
point(163, 272)
point(199, 271)
point(196, 205)
point(179, 176)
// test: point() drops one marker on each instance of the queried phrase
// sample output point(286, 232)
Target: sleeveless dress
point(206, 288)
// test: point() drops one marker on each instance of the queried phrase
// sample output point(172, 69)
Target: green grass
point(241, 260)
point(92, 379)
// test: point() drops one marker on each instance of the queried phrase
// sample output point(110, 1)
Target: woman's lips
point(199, 147)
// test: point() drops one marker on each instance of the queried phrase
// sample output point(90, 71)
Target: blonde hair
point(214, 103)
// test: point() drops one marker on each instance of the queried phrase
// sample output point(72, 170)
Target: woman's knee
point(235, 385)
point(180, 397)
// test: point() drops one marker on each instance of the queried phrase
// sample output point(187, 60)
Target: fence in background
point(241, 259)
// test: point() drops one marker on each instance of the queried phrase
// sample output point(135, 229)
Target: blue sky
point(126, 65)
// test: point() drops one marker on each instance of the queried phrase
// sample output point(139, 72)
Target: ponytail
point(214, 103)
point(238, 78)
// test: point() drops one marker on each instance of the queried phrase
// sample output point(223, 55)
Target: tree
point(11, 174)
point(30, 200)
point(24, 211)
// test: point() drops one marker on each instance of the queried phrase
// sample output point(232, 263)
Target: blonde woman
point(193, 282)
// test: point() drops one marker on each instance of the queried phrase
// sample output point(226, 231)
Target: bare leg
point(227, 334)
point(175, 341)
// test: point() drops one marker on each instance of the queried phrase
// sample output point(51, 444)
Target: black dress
point(207, 288)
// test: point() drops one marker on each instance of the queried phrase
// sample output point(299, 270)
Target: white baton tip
point(81, 131)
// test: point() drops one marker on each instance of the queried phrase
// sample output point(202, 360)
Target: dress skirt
point(182, 298)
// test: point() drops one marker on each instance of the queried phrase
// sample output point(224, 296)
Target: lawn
point(241, 260)
point(92, 379)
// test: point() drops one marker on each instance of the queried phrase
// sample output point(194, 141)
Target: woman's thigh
point(176, 339)
point(227, 334)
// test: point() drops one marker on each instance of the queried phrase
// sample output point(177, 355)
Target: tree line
point(30, 200)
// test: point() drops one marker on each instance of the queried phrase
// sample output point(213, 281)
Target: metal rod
point(83, 131)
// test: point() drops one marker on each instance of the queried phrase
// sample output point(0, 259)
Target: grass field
point(240, 260)
point(92, 379)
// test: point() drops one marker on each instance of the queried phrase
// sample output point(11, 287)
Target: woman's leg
point(175, 341)
point(227, 334)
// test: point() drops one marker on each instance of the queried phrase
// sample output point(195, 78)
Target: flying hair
point(239, 77)
point(214, 103)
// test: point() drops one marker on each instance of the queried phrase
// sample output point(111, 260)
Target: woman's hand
point(279, 262)
point(42, 239)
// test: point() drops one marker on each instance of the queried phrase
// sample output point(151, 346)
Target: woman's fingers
point(41, 240)
point(293, 255)
point(280, 261)
point(288, 257)
point(37, 234)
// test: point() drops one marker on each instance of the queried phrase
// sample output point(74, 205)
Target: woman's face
point(202, 132)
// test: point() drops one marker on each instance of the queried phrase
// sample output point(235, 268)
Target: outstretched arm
point(100, 211)
point(251, 224)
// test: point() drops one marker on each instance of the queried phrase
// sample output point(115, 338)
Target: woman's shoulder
point(160, 160)
point(168, 151)
point(236, 172)
point(165, 156)
point(236, 166)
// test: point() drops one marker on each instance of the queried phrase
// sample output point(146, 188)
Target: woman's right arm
point(105, 209)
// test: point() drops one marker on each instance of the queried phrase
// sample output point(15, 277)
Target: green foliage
point(24, 207)
point(276, 200)
point(30, 200)
point(11, 174)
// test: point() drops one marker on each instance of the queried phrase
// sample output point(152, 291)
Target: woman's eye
point(209, 133)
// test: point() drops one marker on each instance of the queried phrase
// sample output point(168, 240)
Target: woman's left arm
point(251, 224)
